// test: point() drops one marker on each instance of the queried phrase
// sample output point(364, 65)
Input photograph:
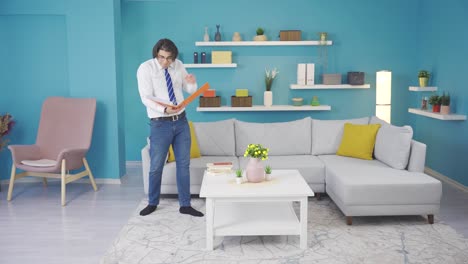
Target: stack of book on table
point(219, 167)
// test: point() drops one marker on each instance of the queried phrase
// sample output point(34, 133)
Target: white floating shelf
point(452, 117)
point(210, 65)
point(264, 43)
point(329, 86)
point(423, 89)
point(265, 108)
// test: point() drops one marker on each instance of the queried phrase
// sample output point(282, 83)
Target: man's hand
point(171, 110)
point(190, 78)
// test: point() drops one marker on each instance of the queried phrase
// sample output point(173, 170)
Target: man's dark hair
point(166, 45)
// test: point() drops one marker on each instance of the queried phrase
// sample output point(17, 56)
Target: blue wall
point(367, 36)
point(93, 49)
point(443, 50)
point(62, 48)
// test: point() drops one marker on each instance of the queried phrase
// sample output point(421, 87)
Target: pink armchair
point(63, 139)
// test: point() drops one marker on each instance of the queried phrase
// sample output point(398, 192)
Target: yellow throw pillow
point(358, 141)
point(194, 149)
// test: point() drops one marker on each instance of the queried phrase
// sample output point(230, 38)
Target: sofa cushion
point(392, 144)
point(283, 138)
point(327, 134)
point(197, 168)
point(371, 182)
point(358, 141)
point(194, 148)
point(216, 138)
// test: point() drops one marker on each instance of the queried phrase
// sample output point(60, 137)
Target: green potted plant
point(238, 176)
point(445, 104)
point(423, 76)
point(434, 100)
point(267, 172)
point(260, 35)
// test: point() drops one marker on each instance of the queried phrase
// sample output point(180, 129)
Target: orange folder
point(188, 100)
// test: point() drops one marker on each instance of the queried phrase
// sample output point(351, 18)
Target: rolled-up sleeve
point(145, 88)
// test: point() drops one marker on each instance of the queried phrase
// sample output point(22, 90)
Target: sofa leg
point(430, 219)
point(349, 220)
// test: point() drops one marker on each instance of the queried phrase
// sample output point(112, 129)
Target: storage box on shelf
point(244, 101)
point(210, 101)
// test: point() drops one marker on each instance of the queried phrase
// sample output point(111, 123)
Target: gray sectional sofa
point(391, 184)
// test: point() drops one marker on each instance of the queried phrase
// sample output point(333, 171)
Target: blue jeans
point(162, 134)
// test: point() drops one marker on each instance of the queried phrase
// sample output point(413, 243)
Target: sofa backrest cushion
point(327, 134)
point(392, 144)
point(215, 138)
point(282, 138)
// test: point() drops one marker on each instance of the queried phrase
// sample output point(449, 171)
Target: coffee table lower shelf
point(255, 218)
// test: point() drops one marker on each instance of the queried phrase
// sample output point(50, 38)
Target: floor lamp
point(383, 95)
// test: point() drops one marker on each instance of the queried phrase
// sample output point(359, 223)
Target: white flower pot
point(268, 98)
point(238, 180)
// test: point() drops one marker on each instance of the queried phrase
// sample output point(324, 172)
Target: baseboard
point(445, 179)
point(133, 163)
point(86, 181)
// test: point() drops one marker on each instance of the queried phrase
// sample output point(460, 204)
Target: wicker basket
point(210, 101)
point(241, 101)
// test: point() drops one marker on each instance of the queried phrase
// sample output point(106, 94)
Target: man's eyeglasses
point(168, 58)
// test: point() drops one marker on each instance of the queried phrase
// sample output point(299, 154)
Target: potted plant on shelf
point(260, 36)
point(267, 172)
point(268, 94)
point(445, 104)
point(423, 78)
point(434, 100)
point(238, 176)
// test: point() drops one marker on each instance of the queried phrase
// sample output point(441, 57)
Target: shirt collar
point(156, 62)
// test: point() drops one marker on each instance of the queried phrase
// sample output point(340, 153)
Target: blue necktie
point(170, 89)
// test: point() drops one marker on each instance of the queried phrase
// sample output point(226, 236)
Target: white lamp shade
point(383, 112)
point(383, 88)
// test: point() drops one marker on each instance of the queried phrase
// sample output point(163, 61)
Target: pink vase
point(254, 170)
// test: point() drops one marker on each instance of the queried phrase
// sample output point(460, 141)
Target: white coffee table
point(255, 209)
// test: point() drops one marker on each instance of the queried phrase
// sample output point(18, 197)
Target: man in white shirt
point(164, 77)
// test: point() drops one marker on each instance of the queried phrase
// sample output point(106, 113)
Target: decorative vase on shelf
point(236, 37)
point(445, 109)
point(218, 34)
point(206, 37)
point(268, 98)
point(254, 170)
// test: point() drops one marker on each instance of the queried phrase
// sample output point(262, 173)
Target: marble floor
point(35, 228)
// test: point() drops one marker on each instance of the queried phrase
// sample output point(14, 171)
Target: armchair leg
point(91, 177)
point(44, 181)
point(12, 182)
point(63, 182)
point(349, 220)
point(430, 219)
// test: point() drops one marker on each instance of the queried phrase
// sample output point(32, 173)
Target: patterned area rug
point(166, 236)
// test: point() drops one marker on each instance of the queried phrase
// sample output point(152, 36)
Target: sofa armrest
point(417, 158)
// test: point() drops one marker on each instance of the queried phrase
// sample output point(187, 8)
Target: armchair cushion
point(40, 163)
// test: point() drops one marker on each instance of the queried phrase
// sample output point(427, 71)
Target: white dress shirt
point(152, 83)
